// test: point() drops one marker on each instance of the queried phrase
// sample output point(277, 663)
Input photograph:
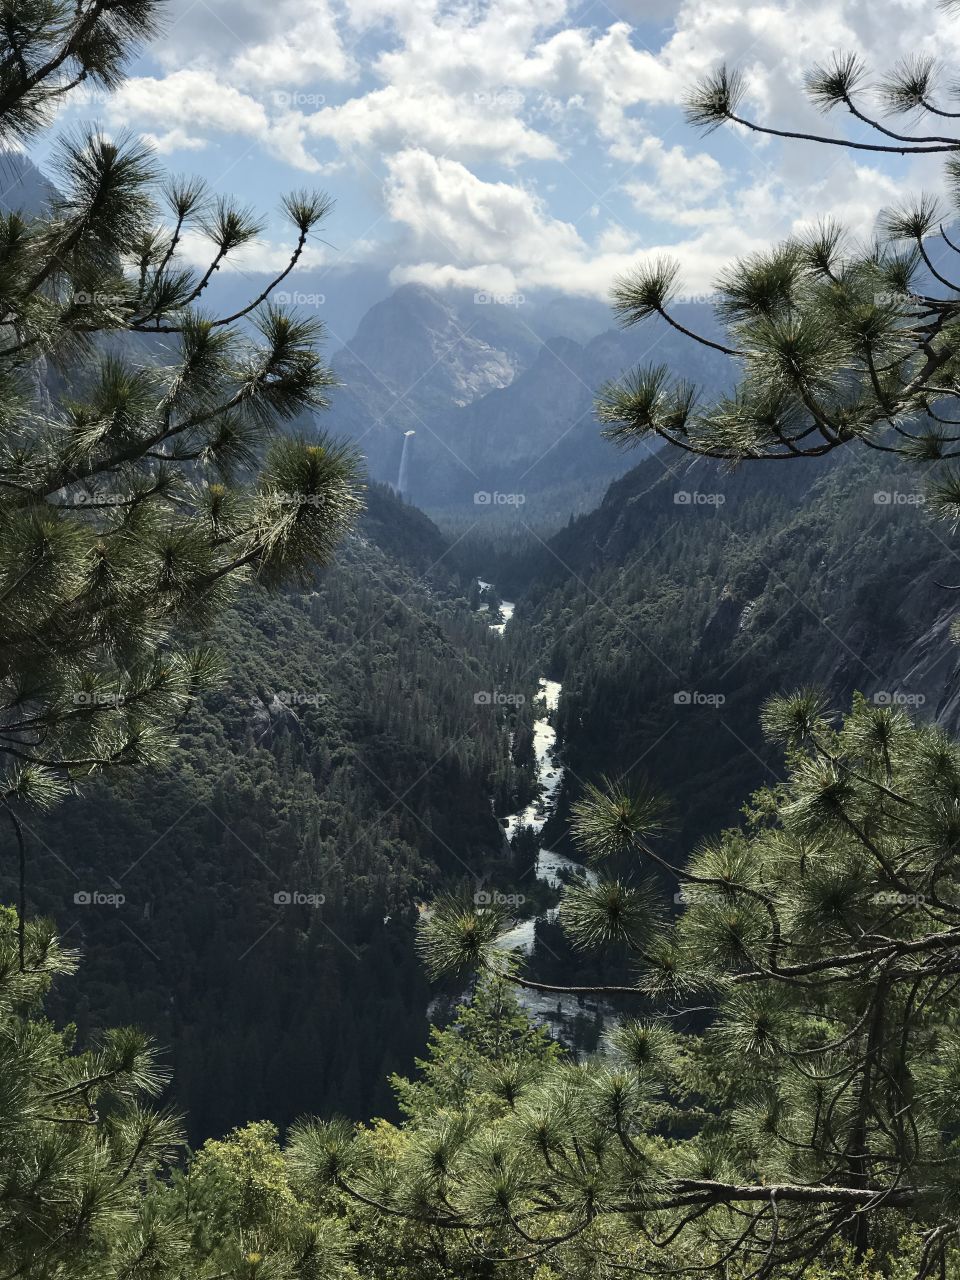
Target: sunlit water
point(550, 867)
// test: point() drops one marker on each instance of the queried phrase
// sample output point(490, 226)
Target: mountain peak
point(418, 346)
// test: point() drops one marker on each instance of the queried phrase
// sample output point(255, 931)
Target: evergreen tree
point(835, 343)
point(78, 1144)
point(786, 1093)
point(143, 475)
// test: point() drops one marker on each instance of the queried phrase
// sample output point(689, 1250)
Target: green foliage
point(51, 46)
point(834, 343)
point(811, 1113)
point(490, 1039)
point(243, 1219)
point(611, 819)
point(142, 473)
point(334, 703)
point(496, 1105)
point(76, 1141)
point(815, 573)
point(456, 935)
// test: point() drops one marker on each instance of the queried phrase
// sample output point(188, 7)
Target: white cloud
point(483, 119)
point(192, 105)
point(191, 99)
point(448, 209)
point(474, 124)
point(253, 43)
point(498, 236)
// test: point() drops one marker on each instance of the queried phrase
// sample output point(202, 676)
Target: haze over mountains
point(500, 393)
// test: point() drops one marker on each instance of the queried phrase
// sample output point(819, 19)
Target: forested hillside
point(345, 758)
point(692, 594)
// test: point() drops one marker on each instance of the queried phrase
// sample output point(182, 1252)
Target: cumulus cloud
point(188, 107)
point(447, 208)
point(517, 142)
point(476, 124)
point(497, 236)
point(284, 42)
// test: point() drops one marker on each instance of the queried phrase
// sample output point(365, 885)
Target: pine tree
point(835, 343)
point(785, 1090)
point(144, 474)
point(78, 1143)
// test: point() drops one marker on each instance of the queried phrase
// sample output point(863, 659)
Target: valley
point(479, 657)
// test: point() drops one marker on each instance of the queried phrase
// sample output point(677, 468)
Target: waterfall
point(404, 476)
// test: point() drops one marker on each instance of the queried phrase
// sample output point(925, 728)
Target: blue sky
point(517, 144)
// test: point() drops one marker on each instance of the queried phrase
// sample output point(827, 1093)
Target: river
point(550, 867)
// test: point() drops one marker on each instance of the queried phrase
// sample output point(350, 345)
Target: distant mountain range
point(498, 389)
point(499, 394)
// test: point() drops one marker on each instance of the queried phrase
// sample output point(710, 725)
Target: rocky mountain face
point(23, 188)
point(501, 402)
point(424, 352)
point(499, 390)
